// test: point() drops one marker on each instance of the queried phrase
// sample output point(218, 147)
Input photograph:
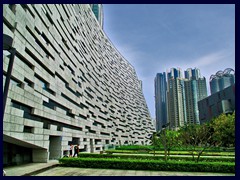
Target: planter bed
point(150, 157)
point(136, 164)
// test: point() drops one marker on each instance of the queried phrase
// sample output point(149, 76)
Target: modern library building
point(65, 83)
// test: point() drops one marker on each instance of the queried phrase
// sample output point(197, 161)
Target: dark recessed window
point(12, 7)
point(28, 82)
point(28, 129)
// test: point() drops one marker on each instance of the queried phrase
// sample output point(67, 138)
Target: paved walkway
point(30, 168)
point(70, 171)
point(51, 169)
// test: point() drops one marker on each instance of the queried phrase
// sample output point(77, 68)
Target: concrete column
point(40, 155)
point(55, 147)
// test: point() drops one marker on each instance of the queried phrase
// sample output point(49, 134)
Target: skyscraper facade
point(160, 100)
point(191, 101)
point(195, 89)
point(183, 94)
point(192, 73)
point(221, 80)
point(202, 88)
point(176, 99)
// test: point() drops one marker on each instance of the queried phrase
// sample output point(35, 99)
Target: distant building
point(191, 101)
point(154, 123)
point(160, 85)
point(176, 99)
point(182, 96)
point(220, 102)
point(202, 88)
point(98, 12)
point(221, 80)
point(195, 90)
point(192, 73)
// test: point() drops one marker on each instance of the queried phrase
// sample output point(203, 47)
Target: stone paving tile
point(21, 170)
point(71, 171)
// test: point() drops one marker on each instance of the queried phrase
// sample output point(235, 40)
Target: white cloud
point(209, 59)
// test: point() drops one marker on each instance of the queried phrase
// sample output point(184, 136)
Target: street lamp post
point(7, 45)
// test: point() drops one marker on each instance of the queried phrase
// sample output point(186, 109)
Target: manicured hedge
point(135, 147)
point(126, 156)
point(203, 154)
point(171, 152)
point(187, 166)
point(142, 147)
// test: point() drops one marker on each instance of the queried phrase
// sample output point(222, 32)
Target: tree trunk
point(199, 154)
point(165, 155)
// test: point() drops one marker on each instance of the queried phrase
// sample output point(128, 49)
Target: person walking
point(70, 150)
point(76, 150)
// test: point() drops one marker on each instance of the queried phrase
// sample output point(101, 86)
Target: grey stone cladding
point(69, 81)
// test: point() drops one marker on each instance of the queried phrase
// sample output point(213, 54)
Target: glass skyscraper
point(195, 90)
point(176, 99)
point(221, 80)
point(180, 106)
point(160, 100)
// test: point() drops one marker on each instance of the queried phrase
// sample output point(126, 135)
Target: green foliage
point(209, 153)
point(224, 130)
point(129, 156)
point(136, 164)
point(134, 147)
point(197, 138)
point(121, 151)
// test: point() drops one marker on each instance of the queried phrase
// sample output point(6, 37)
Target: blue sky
point(157, 37)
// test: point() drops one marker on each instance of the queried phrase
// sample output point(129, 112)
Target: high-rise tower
point(176, 99)
point(192, 73)
point(195, 90)
point(160, 100)
point(183, 95)
point(221, 80)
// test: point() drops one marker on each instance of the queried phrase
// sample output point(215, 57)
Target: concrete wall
point(69, 80)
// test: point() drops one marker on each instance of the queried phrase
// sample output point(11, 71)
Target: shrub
point(188, 153)
point(134, 147)
point(177, 158)
point(135, 164)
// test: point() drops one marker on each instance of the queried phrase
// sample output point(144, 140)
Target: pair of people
point(75, 148)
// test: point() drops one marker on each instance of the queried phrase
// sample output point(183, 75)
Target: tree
point(163, 141)
point(224, 130)
point(155, 141)
point(169, 140)
point(172, 140)
point(197, 138)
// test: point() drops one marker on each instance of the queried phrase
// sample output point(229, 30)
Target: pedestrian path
point(30, 168)
point(52, 169)
point(74, 171)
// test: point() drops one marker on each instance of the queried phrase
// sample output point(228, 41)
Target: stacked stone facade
point(69, 83)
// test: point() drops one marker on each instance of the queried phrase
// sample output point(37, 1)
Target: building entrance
point(16, 155)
